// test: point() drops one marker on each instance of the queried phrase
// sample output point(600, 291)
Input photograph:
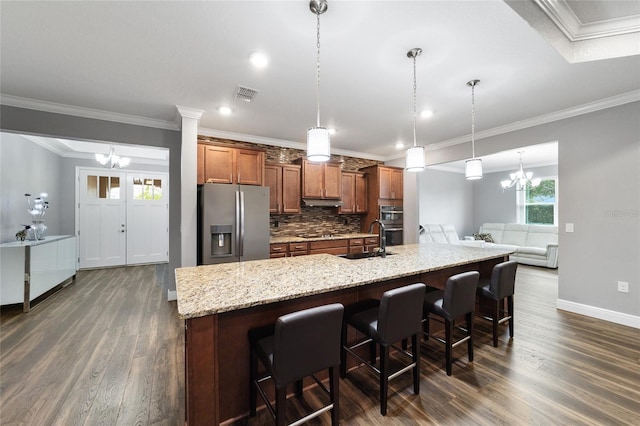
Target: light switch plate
point(623, 287)
point(568, 227)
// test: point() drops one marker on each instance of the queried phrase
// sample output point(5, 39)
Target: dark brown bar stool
point(302, 344)
point(457, 299)
point(501, 286)
point(397, 316)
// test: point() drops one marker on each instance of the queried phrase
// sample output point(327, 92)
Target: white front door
point(102, 218)
point(147, 217)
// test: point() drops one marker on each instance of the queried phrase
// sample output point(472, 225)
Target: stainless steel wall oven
point(392, 217)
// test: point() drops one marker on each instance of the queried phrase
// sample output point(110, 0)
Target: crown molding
point(587, 108)
point(76, 111)
point(186, 112)
point(281, 143)
point(575, 30)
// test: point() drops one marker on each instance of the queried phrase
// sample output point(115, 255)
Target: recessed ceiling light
point(225, 110)
point(427, 113)
point(399, 145)
point(331, 131)
point(258, 59)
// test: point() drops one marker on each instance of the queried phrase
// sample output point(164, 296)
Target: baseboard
point(599, 313)
point(171, 295)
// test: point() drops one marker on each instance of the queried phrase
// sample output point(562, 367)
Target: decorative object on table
point(318, 141)
point(520, 180)
point(415, 155)
point(112, 161)
point(473, 167)
point(22, 234)
point(38, 230)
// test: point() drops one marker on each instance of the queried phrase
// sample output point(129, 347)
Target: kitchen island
point(221, 303)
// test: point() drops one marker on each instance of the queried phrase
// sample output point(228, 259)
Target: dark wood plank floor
point(108, 349)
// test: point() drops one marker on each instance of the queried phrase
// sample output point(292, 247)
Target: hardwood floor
point(108, 350)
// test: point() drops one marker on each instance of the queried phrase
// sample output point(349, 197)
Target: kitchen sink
point(354, 256)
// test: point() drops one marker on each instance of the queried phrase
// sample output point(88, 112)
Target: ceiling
point(135, 61)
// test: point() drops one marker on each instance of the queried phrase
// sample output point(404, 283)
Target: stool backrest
point(460, 294)
point(503, 279)
point(400, 313)
point(306, 341)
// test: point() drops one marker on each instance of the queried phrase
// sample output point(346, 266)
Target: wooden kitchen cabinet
point(223, 164)
point(277, 250)
point(329, 246)
point(200, 170)
point(321, 180)
point(354, 193)
point(384, 189)
point(391, 181)
point(283, 181)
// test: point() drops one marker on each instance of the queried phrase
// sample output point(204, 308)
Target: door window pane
point(104, 186)
point(147, 189)
point(114, 190)
point(92, 186)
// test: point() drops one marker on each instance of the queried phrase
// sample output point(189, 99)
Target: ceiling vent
point(245, 94)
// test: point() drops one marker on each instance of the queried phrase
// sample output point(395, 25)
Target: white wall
point(446, 198)
point(27, 168)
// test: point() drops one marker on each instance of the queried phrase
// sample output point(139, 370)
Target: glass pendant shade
point(318, 144)
point(473, 169)
point(415, 159)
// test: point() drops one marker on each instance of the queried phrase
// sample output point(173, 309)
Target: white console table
point(32, 268)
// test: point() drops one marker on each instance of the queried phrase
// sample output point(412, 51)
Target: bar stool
point(501, 286)
point(457, 299)
point(302, 344)
point(396, 317)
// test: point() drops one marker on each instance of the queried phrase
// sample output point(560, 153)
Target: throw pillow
point(487, 238)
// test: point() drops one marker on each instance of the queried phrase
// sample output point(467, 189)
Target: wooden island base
point(217, 347)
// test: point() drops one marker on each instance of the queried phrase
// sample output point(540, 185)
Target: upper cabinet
point(283, 181)
point(200, 171)
point(223, 164)
point(385, 182)
point(354, 193)
point(321, 180)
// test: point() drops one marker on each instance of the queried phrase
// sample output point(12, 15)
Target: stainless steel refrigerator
point(234, 223)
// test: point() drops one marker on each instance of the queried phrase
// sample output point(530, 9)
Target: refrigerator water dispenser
point(221, 240)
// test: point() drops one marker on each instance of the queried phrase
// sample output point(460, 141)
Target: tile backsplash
point(312, 220)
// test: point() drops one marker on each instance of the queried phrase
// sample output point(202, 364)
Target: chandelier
point(415, 155)
point(318, 143)
point(473, 167)
point(113, 160)
point(520, 179)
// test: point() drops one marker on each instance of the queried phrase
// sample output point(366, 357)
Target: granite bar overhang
point(212, 289)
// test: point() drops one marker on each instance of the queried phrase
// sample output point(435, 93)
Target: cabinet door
point(348, 193)
point(291, 189)
point(200, 171)
point(273, 179)
point(397, 182)
point(361, 193)
point(332, 180)
point(218, 164)
point(385, 182)
point(249, 167)
point(312, 179)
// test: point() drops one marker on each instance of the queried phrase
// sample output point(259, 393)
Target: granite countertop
point(210, 289)
point(301, 239)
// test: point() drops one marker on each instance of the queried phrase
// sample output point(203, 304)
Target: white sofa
point(533, 244)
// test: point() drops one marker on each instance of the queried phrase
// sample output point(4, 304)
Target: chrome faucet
point(381, 234)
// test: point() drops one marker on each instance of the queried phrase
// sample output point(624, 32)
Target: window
point(539, 205)
point(103, 187)
point(147, 189)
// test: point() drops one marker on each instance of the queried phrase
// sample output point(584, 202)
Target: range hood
point(314, 202)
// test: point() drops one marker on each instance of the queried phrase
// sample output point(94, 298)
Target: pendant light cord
point(473, 121)
point(414, 100)
point(318, 67)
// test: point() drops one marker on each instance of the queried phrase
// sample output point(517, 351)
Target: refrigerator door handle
point(241, 222)
point(237, 226)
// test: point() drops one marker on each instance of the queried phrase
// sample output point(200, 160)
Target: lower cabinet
point(336, 247)
point(329, 247)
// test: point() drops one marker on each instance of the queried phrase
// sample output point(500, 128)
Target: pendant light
point(415, 155)
point(318, 143)
point(473, 167)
